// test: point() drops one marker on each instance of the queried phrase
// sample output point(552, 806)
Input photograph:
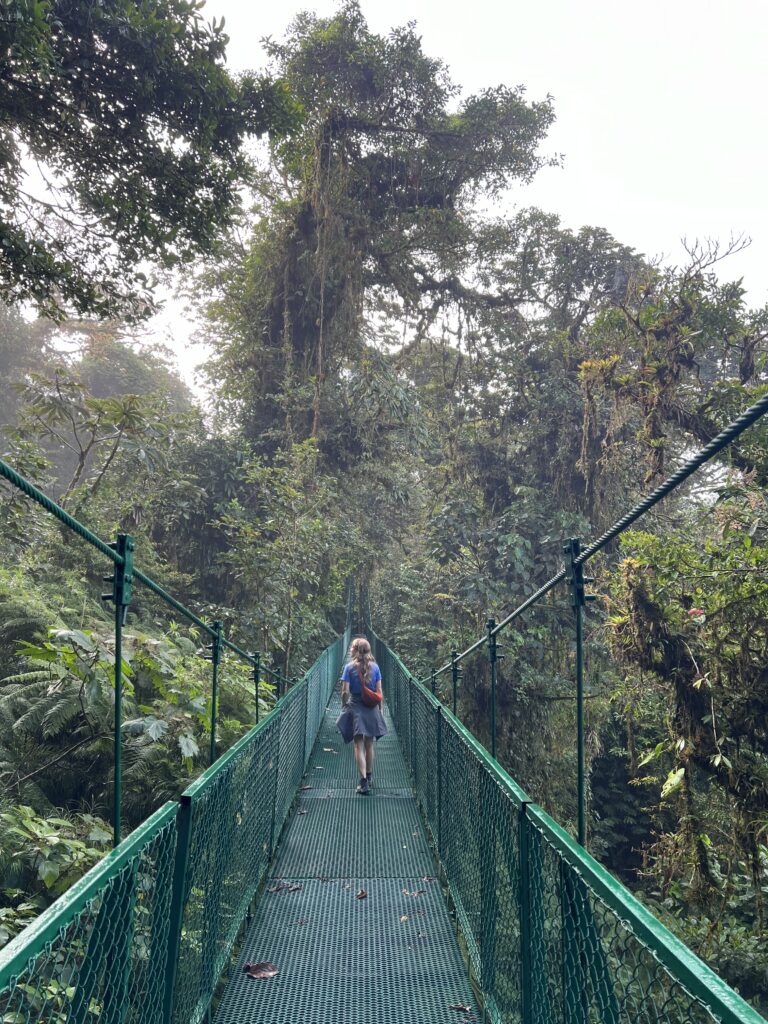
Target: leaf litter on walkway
point(262, 969)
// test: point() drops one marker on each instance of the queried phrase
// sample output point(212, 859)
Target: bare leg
point(370, 750)
point(359, 755)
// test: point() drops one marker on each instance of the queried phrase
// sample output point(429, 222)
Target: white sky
point(660, 105)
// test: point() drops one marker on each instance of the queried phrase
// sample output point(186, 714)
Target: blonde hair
point(362, 659)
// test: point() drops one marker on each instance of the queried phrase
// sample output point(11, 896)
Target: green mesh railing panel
point(598, 954)
point(293, 718)
point(549, 934)
point(98, 955)
point(226, 820)
point(424, 716)
point(229, 825)
point(322, 678)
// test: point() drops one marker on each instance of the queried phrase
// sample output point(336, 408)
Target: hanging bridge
point(270, 892)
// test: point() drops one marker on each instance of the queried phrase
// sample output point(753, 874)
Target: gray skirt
point(357, 719)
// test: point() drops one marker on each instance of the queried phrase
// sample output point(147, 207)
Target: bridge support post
point(122, 591)
point(256, 675)
point(576, 581)
point(534, 992)
point(439, 836)
point(178, 902)
point(215, 649)
point(489, 904)
point(493, 658)
point(455, 673)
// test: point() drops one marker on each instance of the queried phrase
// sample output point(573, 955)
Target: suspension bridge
point(270, 893)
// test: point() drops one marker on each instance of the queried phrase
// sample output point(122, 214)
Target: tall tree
point(368, 206)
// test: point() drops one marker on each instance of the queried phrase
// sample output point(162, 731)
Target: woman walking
point(358, 722)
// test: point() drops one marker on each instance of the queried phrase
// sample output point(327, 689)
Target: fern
point(61, 714)
point(34, 675)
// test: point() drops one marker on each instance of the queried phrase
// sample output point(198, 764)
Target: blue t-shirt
point(350, 675)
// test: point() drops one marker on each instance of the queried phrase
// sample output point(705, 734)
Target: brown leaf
point(263, 969)
point(416, 892)
point(287, 887)
point(361, 894)
point(330, 750)
point(428, 878)
point(404, 917)
point(460, 1008)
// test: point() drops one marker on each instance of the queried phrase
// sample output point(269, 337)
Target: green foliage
point(140, 153)
point(55, 852)
point(291, 549)
point(40, 858)
point(411, 393)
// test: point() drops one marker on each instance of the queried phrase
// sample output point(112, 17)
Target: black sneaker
point(369, 780)
point(362, 788)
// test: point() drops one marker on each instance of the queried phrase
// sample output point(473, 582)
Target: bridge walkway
point(391, 955)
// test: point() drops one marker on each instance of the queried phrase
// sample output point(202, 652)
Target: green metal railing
point(125, 574)
point(573, 574)
point(99, 954)
point(144, 937)
point(550, 935)
point(230, 822)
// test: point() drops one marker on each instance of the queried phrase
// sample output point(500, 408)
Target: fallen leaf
point(263, 969)
point(404, 917)
point(428, 878)
point(460, 1008)
point(416, 892)
point(287, 887)
point(319, 767)
point(360, 894)
point(305, 787)
point(330, 750)
point(303, 920)
point(302, 812)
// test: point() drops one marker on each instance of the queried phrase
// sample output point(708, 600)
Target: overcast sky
point(661, 106)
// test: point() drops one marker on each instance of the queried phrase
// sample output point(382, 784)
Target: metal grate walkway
point(391, 956)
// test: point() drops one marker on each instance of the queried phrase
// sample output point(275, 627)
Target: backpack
point(371, 698)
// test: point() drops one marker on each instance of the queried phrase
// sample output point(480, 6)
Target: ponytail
point(363, 659)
